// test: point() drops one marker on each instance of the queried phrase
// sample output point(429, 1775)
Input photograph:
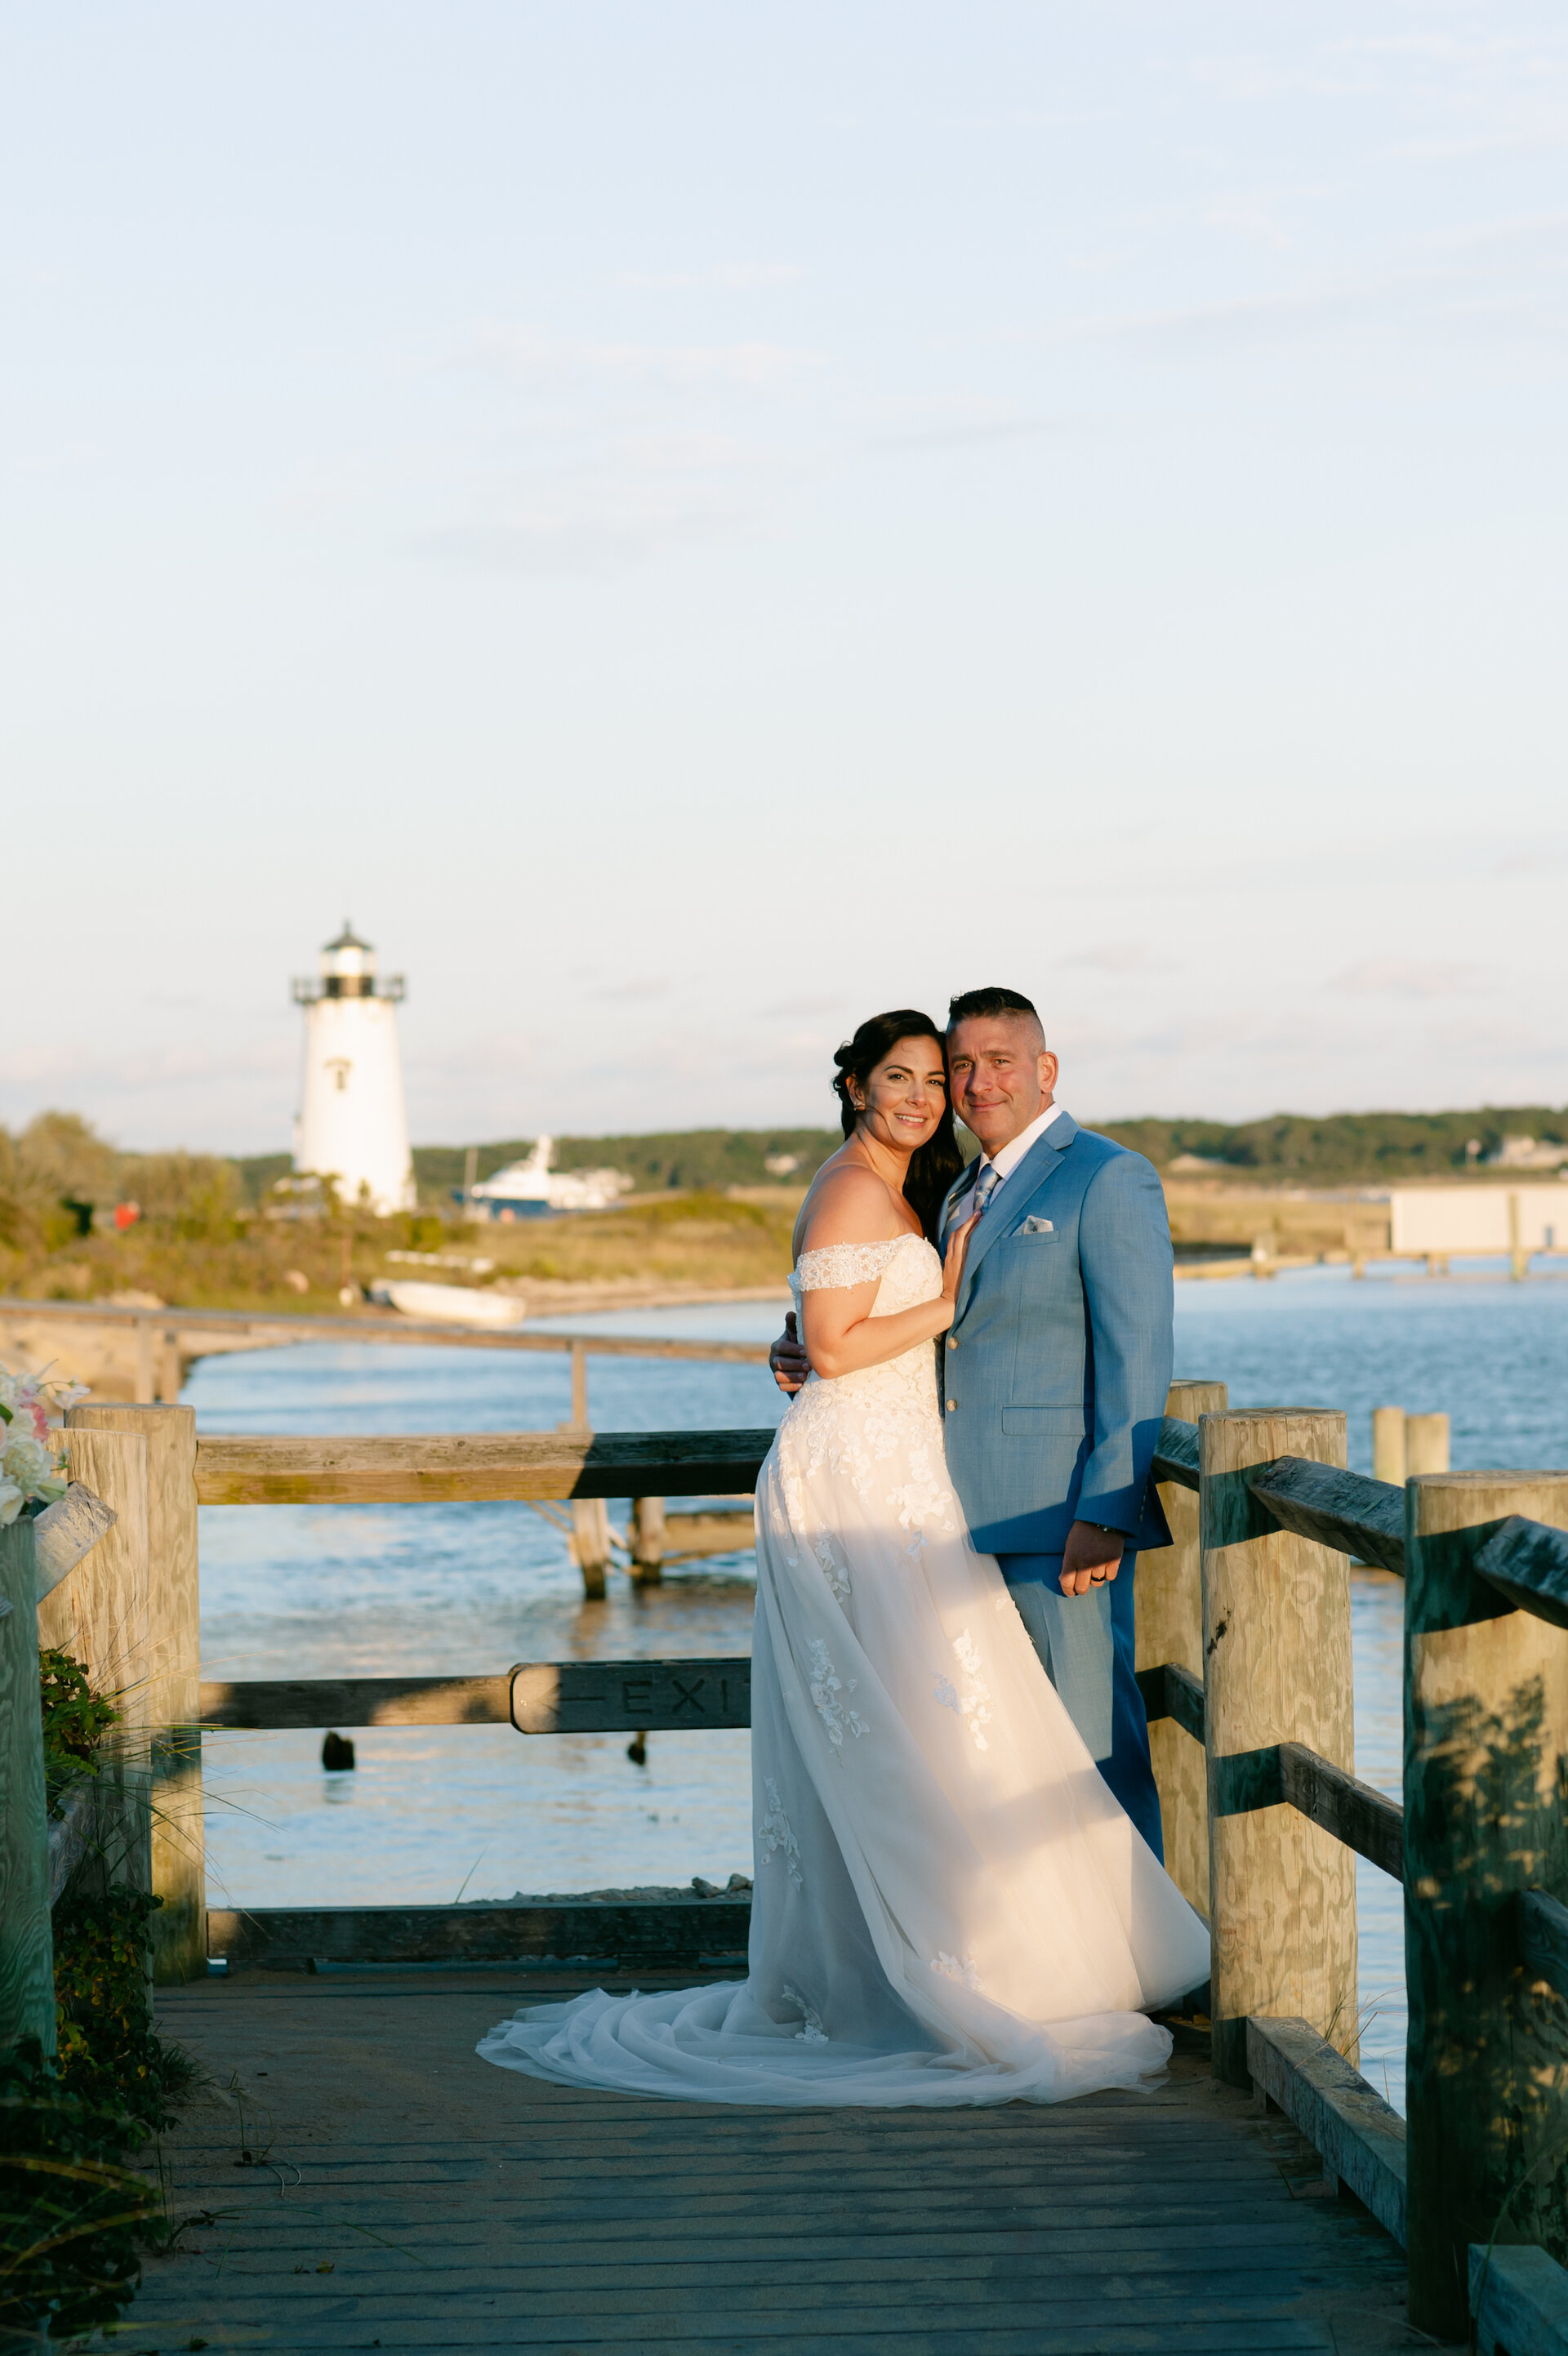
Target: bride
point(950, 1906)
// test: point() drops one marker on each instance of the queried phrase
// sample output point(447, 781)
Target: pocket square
point(1038, 1227)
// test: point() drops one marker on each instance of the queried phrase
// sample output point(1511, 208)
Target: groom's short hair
point(993, 1003)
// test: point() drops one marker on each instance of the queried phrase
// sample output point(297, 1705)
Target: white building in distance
point(352, 1125)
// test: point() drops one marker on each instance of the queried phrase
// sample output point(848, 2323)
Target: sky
point(693, 523)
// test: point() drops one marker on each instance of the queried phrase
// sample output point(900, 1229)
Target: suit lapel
point(1010, 1207)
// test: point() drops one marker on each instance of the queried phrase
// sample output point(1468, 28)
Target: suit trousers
point(1087, 1647)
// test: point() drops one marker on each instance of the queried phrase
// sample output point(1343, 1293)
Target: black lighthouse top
point(348, 970)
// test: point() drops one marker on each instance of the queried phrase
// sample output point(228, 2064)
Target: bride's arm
point(840, 1334)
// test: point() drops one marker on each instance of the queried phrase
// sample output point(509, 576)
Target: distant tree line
point(58, 1176)
point(1344, 1148)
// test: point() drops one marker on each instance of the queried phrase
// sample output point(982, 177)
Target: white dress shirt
point(1006, 1160)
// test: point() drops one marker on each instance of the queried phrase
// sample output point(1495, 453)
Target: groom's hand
point(1092, 1557)
point(788, 1357)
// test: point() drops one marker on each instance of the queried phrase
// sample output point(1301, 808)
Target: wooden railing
point(1244, 1663)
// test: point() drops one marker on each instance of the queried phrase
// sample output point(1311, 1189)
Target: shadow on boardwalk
point(401, 2194)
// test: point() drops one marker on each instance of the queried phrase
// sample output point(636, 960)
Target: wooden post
point(1389, 1445)
point(99, 1614)
point(1170, 1588)
point(26, 1941)
point(1485, 1764)
point(579, 1387)
point(1276, 1651)
point(144, 1367)
point(591, 1543)
point(646, 1535)
point(174, 1677)
point(1425, 1444)
point(1519, 1258)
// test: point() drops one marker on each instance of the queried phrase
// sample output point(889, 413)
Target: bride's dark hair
point(934, 1165)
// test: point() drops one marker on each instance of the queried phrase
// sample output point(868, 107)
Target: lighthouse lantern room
point(352, 1125)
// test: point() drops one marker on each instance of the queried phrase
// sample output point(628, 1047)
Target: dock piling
point(1276, 1647)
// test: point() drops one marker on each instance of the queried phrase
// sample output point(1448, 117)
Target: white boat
point(451, 1305)
point(529, 1188)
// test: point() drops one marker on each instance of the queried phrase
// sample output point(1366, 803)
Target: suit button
point(952, 1405)
point(952, 1342)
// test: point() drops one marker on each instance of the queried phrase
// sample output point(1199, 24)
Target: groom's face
point(1002, 1074)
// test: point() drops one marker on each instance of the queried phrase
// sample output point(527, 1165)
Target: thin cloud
point(1408, 978)
point(720, 278)
point(542, 360)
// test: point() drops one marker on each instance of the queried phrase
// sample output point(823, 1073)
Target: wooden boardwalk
point(400, 2194)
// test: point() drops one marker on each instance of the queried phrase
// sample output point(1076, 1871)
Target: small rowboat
point(453, 1305)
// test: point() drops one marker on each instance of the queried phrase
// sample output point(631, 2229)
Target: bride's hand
point(952, 1266)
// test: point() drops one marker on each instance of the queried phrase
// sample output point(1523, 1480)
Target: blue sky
point(691, 523)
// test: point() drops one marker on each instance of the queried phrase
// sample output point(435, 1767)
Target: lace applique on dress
point(832, 1571)
point(825, 1686)
point(956, 1967)
point(813, 2032)
point(834, 1267)
point(777, 1836)
point(975, 1705)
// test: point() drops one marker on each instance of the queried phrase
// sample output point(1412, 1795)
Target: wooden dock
point(356, 2177)
point(401, 2194)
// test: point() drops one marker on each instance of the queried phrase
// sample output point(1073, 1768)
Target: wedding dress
point(950, 1907)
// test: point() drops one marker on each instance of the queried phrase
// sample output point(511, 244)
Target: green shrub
point(110, 2052)
point(69, 2208)
point(76, 1721)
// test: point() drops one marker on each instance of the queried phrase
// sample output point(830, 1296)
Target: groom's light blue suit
point(1054, 1378)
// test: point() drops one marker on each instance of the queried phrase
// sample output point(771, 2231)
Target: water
point(436, 1812)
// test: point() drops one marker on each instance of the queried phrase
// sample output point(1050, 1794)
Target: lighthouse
point(352, 1125)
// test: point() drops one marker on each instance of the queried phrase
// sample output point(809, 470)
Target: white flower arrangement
point(32, 1458)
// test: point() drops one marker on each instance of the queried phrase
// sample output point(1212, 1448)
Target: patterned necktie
point(985, 1186)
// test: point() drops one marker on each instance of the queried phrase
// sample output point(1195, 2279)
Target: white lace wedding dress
point(950, 1906)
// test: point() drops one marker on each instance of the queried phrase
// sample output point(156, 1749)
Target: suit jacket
point(1056, 1368)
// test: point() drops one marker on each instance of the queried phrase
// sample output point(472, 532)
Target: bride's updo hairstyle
point(937, 1163)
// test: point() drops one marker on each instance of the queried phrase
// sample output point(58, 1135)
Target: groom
point(1055, 1372)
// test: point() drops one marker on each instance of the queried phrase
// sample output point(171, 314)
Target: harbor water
point(434, 1814)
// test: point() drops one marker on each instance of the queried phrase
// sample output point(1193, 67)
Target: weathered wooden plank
point(635, 1930)
point(276, 1702)
point(1361, 2137)
point(1169, 1630)
point(1333, 1507)
point(1541, 1928)
point(1527, 1563)
point(1358, 1814)
point(858, 2331)
point(262, 1468)
point(1276, 1621)
point(173, 1676)
point(1486, 1759)
point(65, 1531)
point(1171, 1691)
point(26, 1940)
point(1176, 1453)
point(1519, 2297)
point(619, 1697)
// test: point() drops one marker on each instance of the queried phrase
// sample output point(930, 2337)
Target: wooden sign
point(629, 1697)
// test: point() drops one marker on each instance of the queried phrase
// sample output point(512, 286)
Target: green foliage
point(110, 2052)
point(76, 1721)
point(1341, 1149)
point(69, 2208)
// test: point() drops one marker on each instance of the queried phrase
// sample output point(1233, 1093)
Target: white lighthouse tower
point(352, 1125)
